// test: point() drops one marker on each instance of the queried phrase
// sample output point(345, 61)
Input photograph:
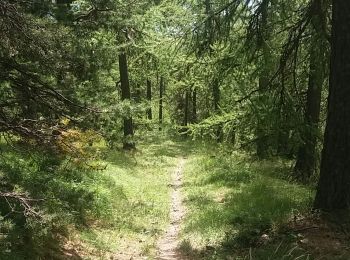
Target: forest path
point(167, 245)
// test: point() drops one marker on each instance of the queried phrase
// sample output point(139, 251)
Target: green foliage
point(54, 195)
point(142, 216)
point(232, 202)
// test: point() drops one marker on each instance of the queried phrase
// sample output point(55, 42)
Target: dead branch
point(24, 201)
point(91, 13)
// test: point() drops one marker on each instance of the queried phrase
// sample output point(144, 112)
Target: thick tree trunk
point(307, 156)
point(333, 190)
point(149, 98)
point(161, 90)
point(126, 95)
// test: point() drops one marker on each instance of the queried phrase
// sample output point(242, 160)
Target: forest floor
point(149, 204)
point(182, 199)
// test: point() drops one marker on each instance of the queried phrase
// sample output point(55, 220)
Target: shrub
point(43, 195)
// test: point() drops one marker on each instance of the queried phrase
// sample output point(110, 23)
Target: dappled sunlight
point(173, 130)
point(252, 203)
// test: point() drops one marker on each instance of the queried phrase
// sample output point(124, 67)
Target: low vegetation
point(117, 205)
point(235, 203)
point(142, 206)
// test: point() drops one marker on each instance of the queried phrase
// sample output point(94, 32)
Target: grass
point(142, 201)
point(233, 203)
point(237, 208)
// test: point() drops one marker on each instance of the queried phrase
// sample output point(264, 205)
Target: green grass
point(232, 201)
point(142, 210)
point(122, 211)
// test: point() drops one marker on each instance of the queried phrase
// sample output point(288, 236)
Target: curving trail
point(167, 245)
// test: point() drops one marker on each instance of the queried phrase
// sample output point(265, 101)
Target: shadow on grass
point(254, 204)
point(12, 249)
point(119, 157)
point(169, 149)
point(151, 149)
point(230, 177)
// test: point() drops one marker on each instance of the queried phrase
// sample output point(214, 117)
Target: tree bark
point(216, 95)
point(216, 104)
point(307, 155)
point(333, 190)
point(137, 93)
point(262, 144)
point(126, 95)
point(209, 27)
point(161, 90)
point(149, 98)
point(186, 114)
point(214, 84)
point(194, 106)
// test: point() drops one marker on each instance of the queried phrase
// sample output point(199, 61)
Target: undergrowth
point(236, 204)
point(142, 214)
point(44, 196)
point(106, 203)
point(116, 204)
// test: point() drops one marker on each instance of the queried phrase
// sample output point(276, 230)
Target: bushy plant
point(45, 195)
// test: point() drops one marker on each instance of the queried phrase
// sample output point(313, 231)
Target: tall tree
point(209, 41)
point(333, 189)
point(194, 105)
point(187, 108)
point(149, 98)
point(126, 95)
point(161, 92)
point(262, 144)
point(307, 155)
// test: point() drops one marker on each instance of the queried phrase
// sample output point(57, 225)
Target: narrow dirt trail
point(167, 245)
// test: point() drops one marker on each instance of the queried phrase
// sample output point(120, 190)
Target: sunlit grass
point(232, 201)
point(142, 211)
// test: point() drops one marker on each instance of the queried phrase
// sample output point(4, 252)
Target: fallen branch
point(24, 201)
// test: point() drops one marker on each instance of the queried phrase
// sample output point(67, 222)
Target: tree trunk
point(194, 106)
point(216, 103)
point(262, 131)
point(126, 95)
point(307, 156)
point(186, 114)
point(149, 98)
point(333, 190)
point(214, 84)
point(262, 145)
point(283, 148)
point(216, 95)
point(161, 89)
point(209, 27)
point(137, 94)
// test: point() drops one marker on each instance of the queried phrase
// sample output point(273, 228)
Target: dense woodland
point(102, 99)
